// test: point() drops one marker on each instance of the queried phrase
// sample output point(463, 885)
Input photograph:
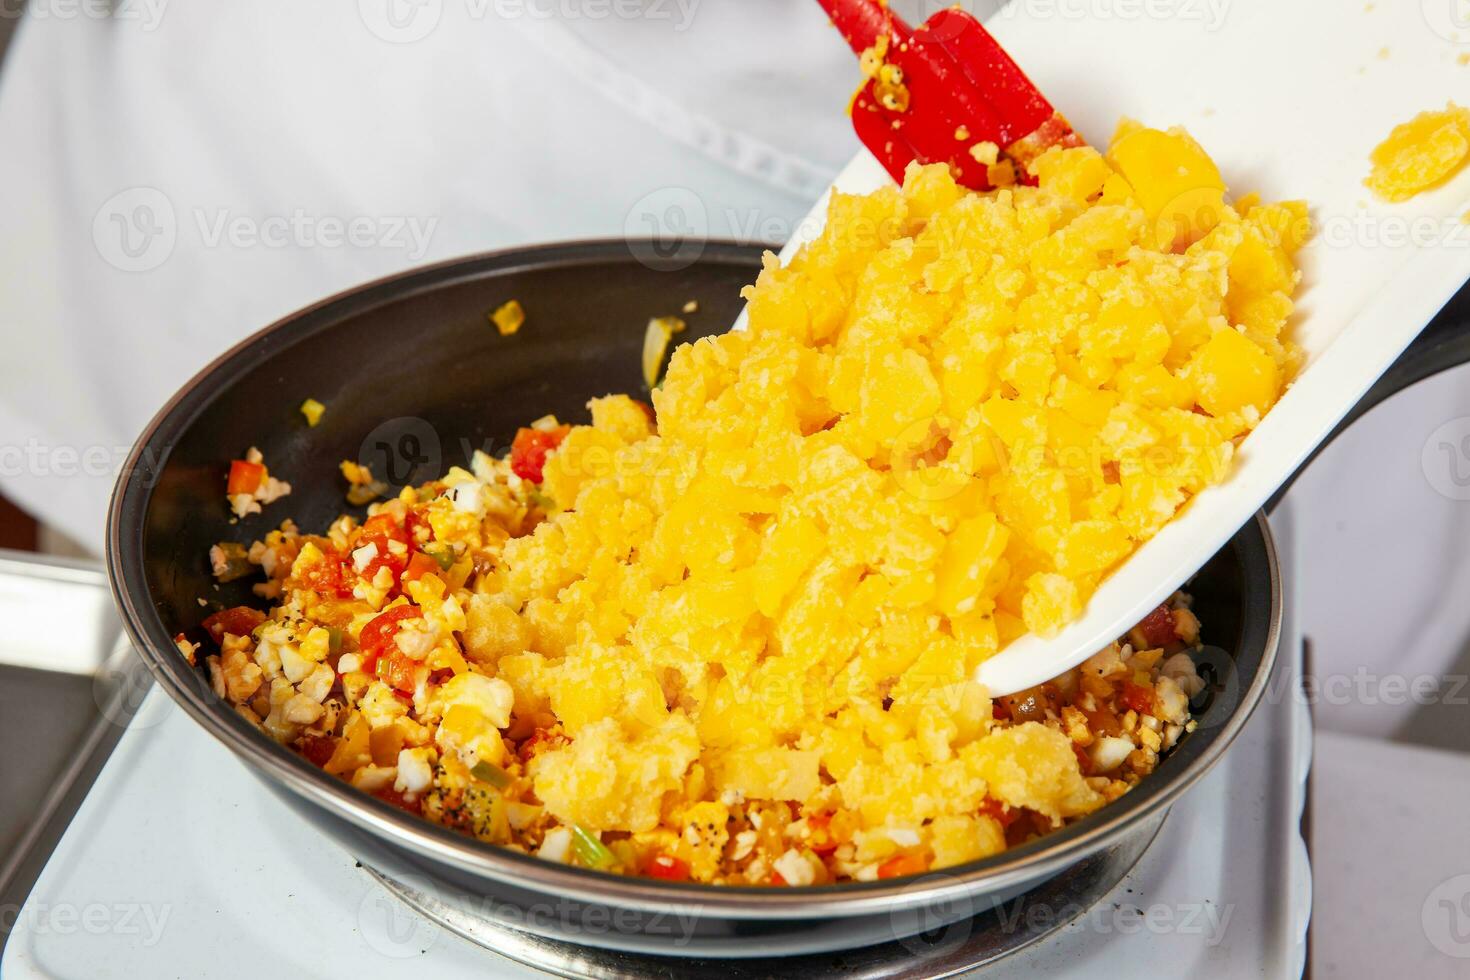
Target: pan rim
point(145, 628)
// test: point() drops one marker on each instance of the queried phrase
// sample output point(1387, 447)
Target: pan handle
point(1444, 344)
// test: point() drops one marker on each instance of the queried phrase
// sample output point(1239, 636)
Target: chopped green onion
point(590, 850)
point(441, 553)
point(487, 772)
point(232, 562)
point(334, 640)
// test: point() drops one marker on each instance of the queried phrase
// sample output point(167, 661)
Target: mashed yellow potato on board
point(1421, 154)
point(733, 638)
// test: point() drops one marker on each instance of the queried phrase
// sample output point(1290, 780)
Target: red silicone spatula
point(938, 92)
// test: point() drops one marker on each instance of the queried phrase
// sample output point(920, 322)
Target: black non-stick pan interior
point(415, 378)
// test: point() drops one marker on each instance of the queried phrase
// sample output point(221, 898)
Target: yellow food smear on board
point(951, 416)
point(508, 317)
point(1421, 154)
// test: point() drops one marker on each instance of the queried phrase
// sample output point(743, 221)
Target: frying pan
point(415, 380)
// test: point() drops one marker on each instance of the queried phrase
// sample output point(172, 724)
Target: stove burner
point(972, 943)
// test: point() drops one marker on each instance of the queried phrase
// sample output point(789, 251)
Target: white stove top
point(181, 862)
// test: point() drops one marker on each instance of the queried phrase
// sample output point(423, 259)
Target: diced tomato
point(317, 749)
point(238, 621)
point(383, 527)
point(1138, 697)
point(530, 448)
point(398, 670)
point(819, 828)
point(376, 638)
point(903, 866)
point(328, 577)
point(379, 530)
point(991, 807)
point(667, 867)
point(419, 566)
point(776, 878)
point(245, 477)
point(1158, 627)
point(415, 521)
point(392, 796)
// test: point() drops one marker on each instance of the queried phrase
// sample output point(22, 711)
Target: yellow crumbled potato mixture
point(313, 410)
point(1070, 363)
point(1421, 154)
point(508, 317)
point(734, 638)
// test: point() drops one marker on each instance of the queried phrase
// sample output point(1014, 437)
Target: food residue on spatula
point(1421, 154)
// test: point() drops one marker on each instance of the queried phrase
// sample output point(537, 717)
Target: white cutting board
point(1289, 97)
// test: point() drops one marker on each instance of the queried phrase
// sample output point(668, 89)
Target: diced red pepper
point(238, 621)
point(419, 566)
point(1158, 627)
point(991, 807)
point(328, 577)
point(903, 866)
point(776, 879)
point(530, 448)
point(820, 838)
point(379, 530)
point(399, 671)
point(667, 868)
point(391, 796)
point(376, 638)
point(317, 749)
point(1138, 697)
point(245, 477)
